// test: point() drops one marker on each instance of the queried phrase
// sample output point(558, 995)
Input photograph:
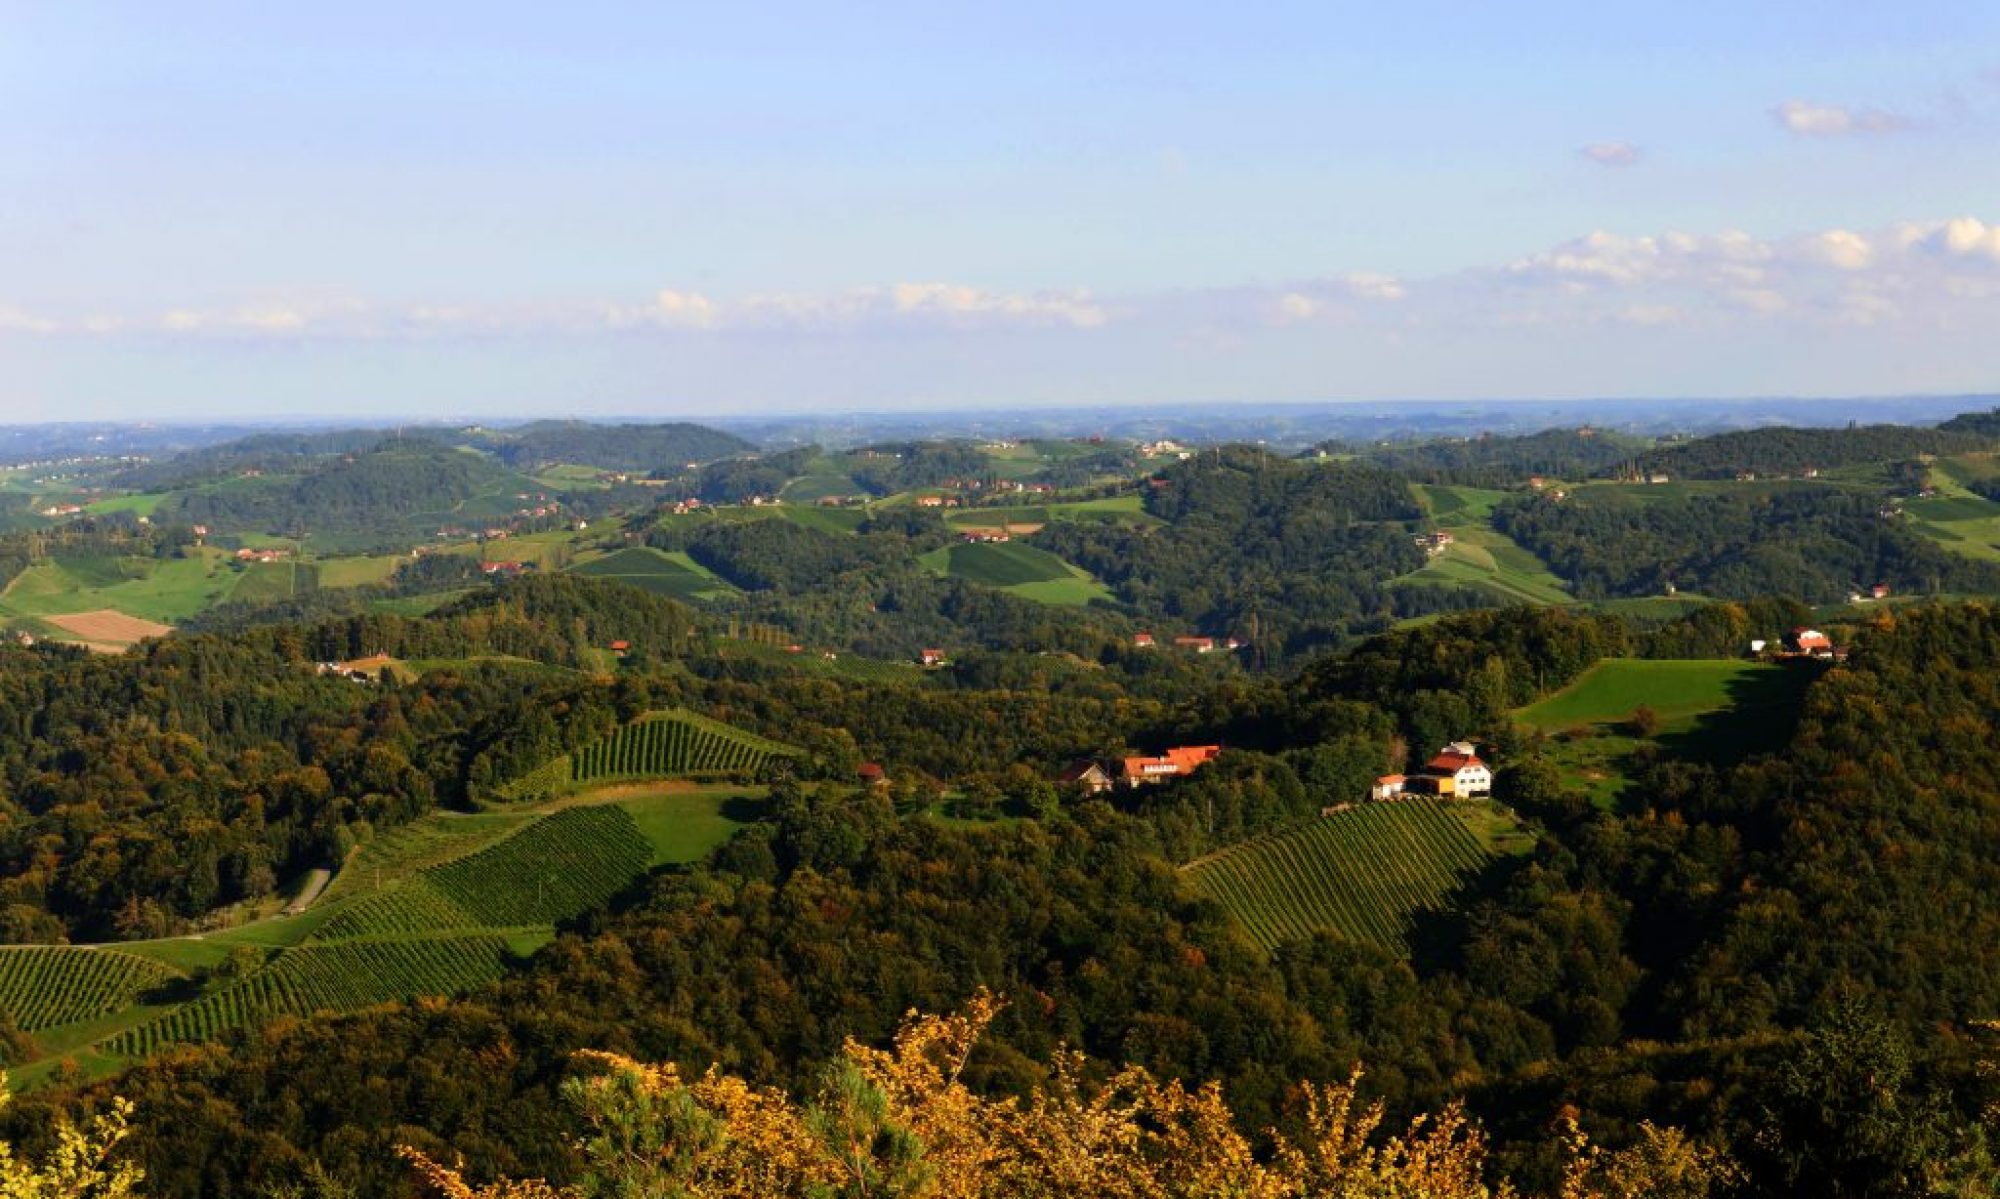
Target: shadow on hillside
point(1437, 937)
point(1761, 717)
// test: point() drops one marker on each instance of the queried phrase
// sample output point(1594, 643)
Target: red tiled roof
point(1452, 763)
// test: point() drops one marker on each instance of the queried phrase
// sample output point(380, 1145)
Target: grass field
point(1453, 506)
point(358, 570)
point(1956, 519)
point(137, 505)
point(818, 486)
point(164, 590)
point(1712, 709)
point(838, 521)
point(675, 575)
point(1677, 690)
point(1118, 509)
point(1365, 874)
point(1018, 568)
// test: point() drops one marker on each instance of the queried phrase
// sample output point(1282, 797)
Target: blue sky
point(495, 209)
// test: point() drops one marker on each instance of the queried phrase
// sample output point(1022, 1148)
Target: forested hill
point(1257, 544)
point(384, 492)
point(664, 448)
point(1788, 955)
point(275, 453)
point(1487, 461)
point(632, 448)
point(1792, 451)
point(1816, 543)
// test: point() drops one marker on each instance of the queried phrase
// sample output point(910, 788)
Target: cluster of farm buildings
point(1456, 772)
point(1097, 776)
point(1801, 643)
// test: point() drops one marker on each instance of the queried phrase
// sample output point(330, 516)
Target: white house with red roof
point(1456, 770)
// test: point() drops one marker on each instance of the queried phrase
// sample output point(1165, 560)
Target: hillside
point(1366, 874)
point(440, 906)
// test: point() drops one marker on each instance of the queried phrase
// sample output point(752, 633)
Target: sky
point(447, 209)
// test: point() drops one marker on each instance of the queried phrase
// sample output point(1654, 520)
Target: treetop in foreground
point(900, 1122)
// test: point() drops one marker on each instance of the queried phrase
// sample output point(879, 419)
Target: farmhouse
point(1200, 645)
point(1088, 775)
point(1456, 770)
point(1142, 641)
point(1180, 760)
point(1389, 786)
point(1434, 544)
point(507, 569)
point(931, 657)
point(872, 774)
point(1808, 641)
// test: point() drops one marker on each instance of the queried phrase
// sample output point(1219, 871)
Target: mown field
point(165, 590)
point(1677, 690)
point(1366, 874)
point(1710, 709)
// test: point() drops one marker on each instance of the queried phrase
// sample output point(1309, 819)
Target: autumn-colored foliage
point(80, 1166)
point(901, 1123)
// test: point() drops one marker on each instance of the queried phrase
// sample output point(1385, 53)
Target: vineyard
point(553, 869)
point(658, 745)
point(336, 977)
point(42, 986)
point(666, 744)
point(1363, 874)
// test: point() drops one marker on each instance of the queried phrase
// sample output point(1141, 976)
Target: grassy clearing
point(1677, 690)
point(358, 571)
point(838, 521)
point(165, 590)
point(684, 823)
point(819, 486)
point(137, 505)
point(1711, 710)
point(1453, 506)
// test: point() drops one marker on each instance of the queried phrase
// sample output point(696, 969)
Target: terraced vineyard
point(337, 977)
point(667, 744)
point(42, 986)
point(1363, 874)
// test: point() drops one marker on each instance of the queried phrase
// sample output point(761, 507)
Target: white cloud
point(1613, 154)
point(1934, 273)
point(1835, 120)
point(669, 310)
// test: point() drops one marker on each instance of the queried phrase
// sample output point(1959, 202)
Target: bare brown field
point(108, 627)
